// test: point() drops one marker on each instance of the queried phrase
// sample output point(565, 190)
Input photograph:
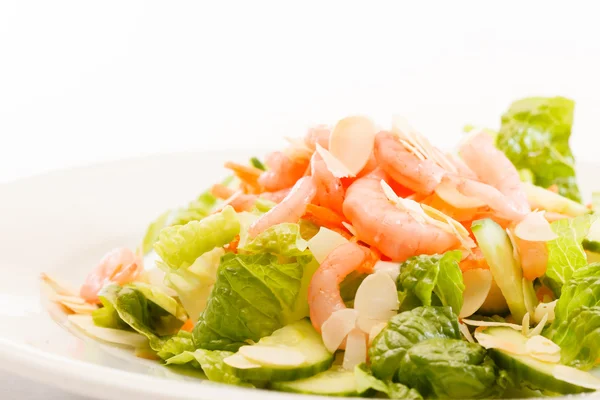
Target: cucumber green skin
point(282, 374)
point(591, 245)
point(522, 371)
point(327, 391)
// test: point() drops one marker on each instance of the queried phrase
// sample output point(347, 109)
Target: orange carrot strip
point(323, 216)
point(247, 170)
point(188, 326)
point(234, 244)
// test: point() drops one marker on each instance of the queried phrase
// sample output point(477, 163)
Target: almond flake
point(465, 332)
point(335, 166)
point(535, 228)
point(352, 141)
point(478, 283)
point(335, 329)
point(491, 324)
point(545, 310)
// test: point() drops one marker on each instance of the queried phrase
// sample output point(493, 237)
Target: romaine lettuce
point(365, 381)
point(425, 276)
point(211, 363)
point(177, 344)
point(579, 337)
point(196, 210)
point(153, 231)
point(450, 369)
point(282, 239)
point(535, 135)
point(565, 253)
point(404, 331)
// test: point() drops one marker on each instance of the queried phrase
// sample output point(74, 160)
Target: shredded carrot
point(324, 217)
point(188, 326)
point(234, 244)
point(553, 188)
point(247, 170)
point(248, 175)
point(474, 261)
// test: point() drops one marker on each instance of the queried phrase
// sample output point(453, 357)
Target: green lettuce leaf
point(565, 253)
point(282, 239)
point(404, 331)
point(579, 337)
point(196, 210)
point(145, 315)
point(179, 246)
point(449, 369)
point(211, 363)
point(365, 381)
point(153, 231)
point(257, 163)
point(535, 135)
point(254, 295)
point(424, 276)
point(177, 344)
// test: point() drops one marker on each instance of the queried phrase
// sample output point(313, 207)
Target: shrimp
point(244, 202)
point(283, 171)
point(403, 166)
point(291, 208)
point(317, 135)
point(330, 192)
point(534, 257)
point(391, 230)
point(495, 169)
point(119, 266)
point(324, 290)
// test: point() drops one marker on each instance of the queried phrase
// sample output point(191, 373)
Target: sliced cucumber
point(334, 382)
point(547, 200)
point(295, 351)
point(506, 270)
point(527, 368)
point(591, 243)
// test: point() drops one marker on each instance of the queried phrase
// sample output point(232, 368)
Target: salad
point(365, 261)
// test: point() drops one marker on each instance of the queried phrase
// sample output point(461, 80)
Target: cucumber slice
point(334, 382)
point(591, 243)
point(498, 252)
point(527, 368)
point(295, 351)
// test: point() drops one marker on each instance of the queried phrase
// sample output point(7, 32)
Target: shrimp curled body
point(393, 231)
point(119, 266)
point(324, 290)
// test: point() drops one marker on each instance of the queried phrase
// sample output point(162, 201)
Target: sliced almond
point(352, 141)
point(539, 327)
point(69, 299)
point(376, 300)
point(335, 166)
point(59, 287)
point(272, 355)
point(80, 308)
point(478, 283)
point(239, 361)
point(388, 267)
point(356, 349)
point(324, 242)
point(376, 330)
point(543, 349)
point(117, 336)
point(535, 228)
point(350, 228)
point(576, 377)
point(545, 310)
point(491, 324)
point(494, 342)
point(465, 332)
point(298, 149)
point(525, 324)
point(335, 329)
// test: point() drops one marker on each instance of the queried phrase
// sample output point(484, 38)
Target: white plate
point(62, 223)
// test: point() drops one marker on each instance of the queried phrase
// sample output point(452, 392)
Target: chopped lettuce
point(211, 363)
point(535, 135)
point(282, 239)
point(179, 246)
point(450, 368)
point(404, 331)
point(153, 231)
point(196, 210)
point(579, 337)
point(145, 315)
point(254, 295)
point(177, 344)
point(565, 253)
point(425, 276)
point(365, 381)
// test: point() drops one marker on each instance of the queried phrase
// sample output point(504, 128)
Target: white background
point(84, 81)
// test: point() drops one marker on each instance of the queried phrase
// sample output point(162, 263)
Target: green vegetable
point(211, 363)
point(506, 270)
point(256, 163)
point(565, 253)
point(153, 231)
point(256, 362)
point(282, 239)
point(526, 175)
point(405, 330)
point(253, 296)
point(179, 246)
point(449, 369)
point(107, 316)
point(366, 382)
point(333, 382)
point(523, 367)
point(423, 276)
point(145, 315)
point(180, 343)
point(535, 135)
point(547, 200)
point(196, 210)
point(591, 243)
point(579, 337)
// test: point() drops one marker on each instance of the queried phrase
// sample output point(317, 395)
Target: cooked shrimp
point(283, 172)
point(248, 175)
point(318, 135)
point(391, 230)
point(324, 290)
point(291, 208)
point(330, 192)
point(475, 260)
point(494, 168)
point(534, 257)
point(403, 166)
point(242, 201)
point(119, 266)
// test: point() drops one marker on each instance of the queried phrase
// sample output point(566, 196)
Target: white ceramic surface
point(62, 223)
